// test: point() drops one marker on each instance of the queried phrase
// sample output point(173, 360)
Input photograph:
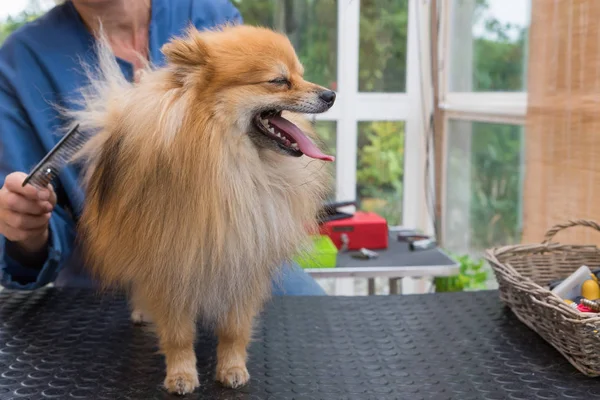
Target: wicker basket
point(523, 273)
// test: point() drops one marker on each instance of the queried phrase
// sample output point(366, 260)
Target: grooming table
point(73, 344)
point(395, 262)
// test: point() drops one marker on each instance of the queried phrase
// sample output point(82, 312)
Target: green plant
point(12, 23)
point(380, 171)
point(472, 276)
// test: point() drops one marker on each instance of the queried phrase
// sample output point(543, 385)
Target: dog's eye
point(281, 81)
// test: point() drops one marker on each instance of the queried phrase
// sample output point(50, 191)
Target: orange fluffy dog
point(199, 186)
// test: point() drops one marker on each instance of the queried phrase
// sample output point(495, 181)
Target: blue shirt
point(40, 65)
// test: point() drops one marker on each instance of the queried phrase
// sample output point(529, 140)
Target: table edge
point(378, 271)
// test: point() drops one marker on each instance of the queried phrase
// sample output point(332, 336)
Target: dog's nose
point(328, 96)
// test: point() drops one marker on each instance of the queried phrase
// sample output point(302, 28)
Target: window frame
point(492, 107)
point(353, 106)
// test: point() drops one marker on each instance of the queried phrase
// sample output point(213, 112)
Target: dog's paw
point(233, 377)
point(138, 317)
point(182, 383)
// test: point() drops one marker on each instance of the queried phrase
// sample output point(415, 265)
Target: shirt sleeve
point(20, 149)
point(209, 13)
point(232, 13)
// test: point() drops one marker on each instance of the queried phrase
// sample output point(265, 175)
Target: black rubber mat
point(72, 345)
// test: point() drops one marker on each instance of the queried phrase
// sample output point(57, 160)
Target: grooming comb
point(53, 162)
point(330, 212)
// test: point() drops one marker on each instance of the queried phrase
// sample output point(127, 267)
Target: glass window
point(16, 13)
point(484, 175)
point(383, 44)
point(326, 131)
point(380, 168)
point(311, 26)
point(488, 45)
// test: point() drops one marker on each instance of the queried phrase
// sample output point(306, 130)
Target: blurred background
point(398, 65)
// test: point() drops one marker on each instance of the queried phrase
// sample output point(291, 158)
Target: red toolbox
point(363, 229)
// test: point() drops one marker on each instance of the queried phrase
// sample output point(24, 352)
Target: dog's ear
point(187, 52)
point(189, 55)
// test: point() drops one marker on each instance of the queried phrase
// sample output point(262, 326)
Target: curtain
point(562, 171)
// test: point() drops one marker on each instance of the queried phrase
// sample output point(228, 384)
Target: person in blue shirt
point(40, 67)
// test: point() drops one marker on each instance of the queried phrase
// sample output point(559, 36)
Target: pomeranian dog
point(201, 178)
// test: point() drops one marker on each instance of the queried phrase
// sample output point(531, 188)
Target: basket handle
point(559, 227)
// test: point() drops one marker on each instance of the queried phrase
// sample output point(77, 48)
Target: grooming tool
point(553, 284)
point(571, 304)
point(416, 240)
point(590, 289)
point(591, 304)
point(365, 254)
point(330, 212)
point(345, 242)
point(570, 287)
point(53, 162)
point(423, 244)
point(410, 235)
point(556, 282)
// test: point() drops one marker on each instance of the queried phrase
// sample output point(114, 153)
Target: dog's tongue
point(305, 145)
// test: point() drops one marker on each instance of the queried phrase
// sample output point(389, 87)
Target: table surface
point(395, 261)
point(73, 344)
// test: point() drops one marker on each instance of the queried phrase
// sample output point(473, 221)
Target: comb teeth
point(60, 155)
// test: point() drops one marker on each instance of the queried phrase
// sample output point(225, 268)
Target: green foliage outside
point(496, 165)
point(472, 276)
point(499, 60)
point(11, 24)
point(33, 10)
point(380, 168)
point(498, 66)
point(383, 44)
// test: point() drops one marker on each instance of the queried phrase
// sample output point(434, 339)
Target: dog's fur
point(186, 207)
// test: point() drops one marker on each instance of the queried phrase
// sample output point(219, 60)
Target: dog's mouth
point(287, 136)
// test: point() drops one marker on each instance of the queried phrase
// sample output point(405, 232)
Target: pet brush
point(51, 165)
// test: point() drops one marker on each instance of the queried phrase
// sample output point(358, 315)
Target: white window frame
point(491, 107)
point(353, 106)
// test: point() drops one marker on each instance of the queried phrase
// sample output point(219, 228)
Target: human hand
point(25, 212)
